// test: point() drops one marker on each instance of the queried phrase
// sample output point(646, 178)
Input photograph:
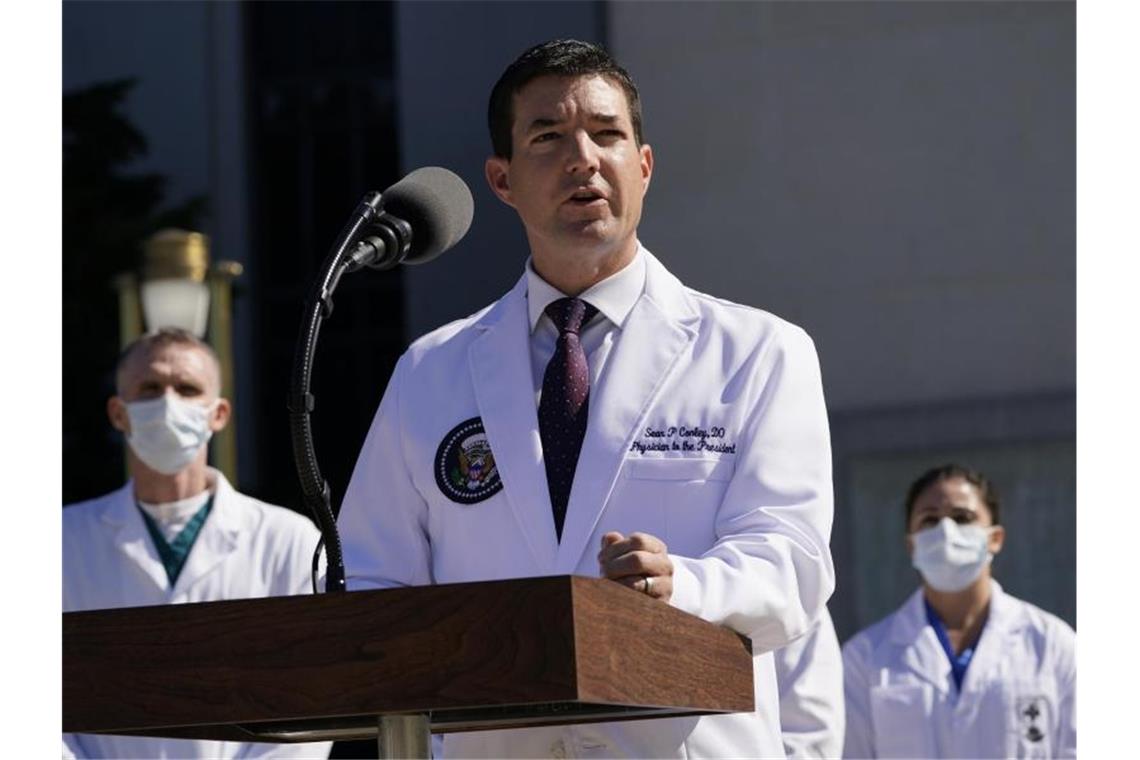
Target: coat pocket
point(685, 492)
point(900, 715)
point(1031, 709)
point(680, 468)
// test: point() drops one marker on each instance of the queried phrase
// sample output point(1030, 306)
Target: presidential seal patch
point(465, 468)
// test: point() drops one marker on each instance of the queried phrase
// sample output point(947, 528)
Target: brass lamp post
point(177, 287)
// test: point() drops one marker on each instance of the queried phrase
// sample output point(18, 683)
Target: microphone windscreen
point(437, 204)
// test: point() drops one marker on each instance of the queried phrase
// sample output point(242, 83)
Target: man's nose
point(583, 154)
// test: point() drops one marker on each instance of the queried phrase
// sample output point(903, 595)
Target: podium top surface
point(495, 654)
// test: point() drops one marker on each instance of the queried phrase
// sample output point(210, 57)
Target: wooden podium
point(468, 656)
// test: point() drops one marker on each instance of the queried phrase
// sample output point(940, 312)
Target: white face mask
point(951, 556)
point(167, 432)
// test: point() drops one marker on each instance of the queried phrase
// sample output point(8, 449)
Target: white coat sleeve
point(1066, 738)
point(383, 518)
point(769, 573)
point(859, 735)
point(809, 676)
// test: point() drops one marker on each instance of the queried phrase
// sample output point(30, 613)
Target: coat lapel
point(922, 655)
point(499, 360)
point(655, 335)
point(220, 536)
point(131, 537)
point(986, 664)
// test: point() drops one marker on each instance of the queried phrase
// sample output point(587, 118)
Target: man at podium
point(603, 419)
point(177, 532)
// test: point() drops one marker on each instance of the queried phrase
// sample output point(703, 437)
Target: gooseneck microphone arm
point(415, 220)
point(319, 306)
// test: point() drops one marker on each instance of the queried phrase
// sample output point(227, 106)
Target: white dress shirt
point(613, 297)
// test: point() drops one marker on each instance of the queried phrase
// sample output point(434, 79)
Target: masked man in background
point(962, 669)
point(177, 532)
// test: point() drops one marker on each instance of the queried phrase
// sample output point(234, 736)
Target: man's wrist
point(686, 587)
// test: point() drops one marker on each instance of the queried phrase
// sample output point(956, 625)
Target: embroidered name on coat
point(465, 468)
point(683, 438)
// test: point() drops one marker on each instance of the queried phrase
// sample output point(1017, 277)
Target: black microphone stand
point(319, 306)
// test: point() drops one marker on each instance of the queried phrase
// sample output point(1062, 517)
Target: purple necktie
point(565, 402)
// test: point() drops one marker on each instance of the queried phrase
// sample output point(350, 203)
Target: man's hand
point(639, 561)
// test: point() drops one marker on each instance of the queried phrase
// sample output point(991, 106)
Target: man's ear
point(646, 166)
point(996, 540)
point(220, 417)
point(497, 171)
point(117, 414)
point(909, 545)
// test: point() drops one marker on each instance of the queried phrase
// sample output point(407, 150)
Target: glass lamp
point(174, 291)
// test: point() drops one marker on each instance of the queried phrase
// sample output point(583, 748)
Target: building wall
point(899, 179)
point(449, 56)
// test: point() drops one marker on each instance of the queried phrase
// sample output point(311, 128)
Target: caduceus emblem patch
point(465, 468)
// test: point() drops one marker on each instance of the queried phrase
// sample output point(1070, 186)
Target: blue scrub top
point(958, 662)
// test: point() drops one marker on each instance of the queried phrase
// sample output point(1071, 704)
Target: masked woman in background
point(962, 669)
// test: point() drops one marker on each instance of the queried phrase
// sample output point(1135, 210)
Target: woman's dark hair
point(947, 472)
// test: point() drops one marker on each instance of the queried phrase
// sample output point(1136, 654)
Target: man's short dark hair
point(167, 336)
point(948, 472)
point(567, 58)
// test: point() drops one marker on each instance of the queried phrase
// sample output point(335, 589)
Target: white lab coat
point(809, 673)
point(1018, 698)
point(246, 549)
point(747, 527)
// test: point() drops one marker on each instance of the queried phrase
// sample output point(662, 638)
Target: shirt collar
point(175, 512)
point(613, 297)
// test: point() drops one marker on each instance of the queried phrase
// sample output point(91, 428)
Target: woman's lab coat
point(1017, 700)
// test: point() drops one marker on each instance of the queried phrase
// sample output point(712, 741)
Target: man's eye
point(188, 390)
point(546, 137)
point(612, 134)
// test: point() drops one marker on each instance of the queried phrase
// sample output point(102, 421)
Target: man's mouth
point(585, 197)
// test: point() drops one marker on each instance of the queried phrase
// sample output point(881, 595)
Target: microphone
point(423, 215)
